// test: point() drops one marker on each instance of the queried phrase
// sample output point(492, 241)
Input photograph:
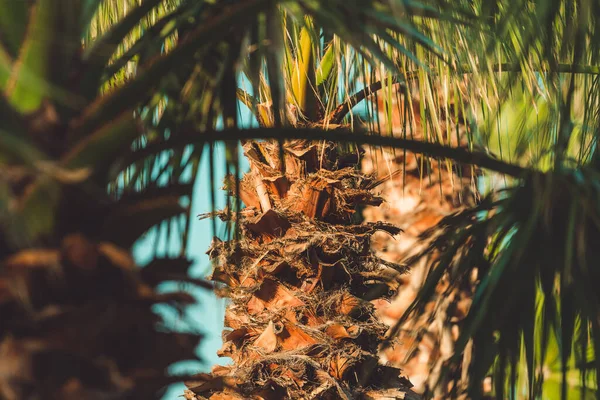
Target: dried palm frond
point(532, 252)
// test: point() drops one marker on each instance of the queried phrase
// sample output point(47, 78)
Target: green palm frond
point(533, 253)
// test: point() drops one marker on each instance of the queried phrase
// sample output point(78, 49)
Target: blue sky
point(207, 315)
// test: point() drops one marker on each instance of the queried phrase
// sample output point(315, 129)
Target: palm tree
point(418, 194)
point(300, 279)
point(280, 328)
point(301, 275)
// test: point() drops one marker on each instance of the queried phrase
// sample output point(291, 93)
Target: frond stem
point(460, 154)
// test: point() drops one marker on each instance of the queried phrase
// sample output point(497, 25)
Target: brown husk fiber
point(302, 281)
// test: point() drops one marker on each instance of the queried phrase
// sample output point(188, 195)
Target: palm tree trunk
point(300, 323)
point(417, 197)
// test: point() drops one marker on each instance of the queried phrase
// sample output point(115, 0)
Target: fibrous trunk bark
point(302, 281)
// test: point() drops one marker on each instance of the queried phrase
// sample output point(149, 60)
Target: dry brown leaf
point(268, 338)
point(278, 186)
point(117, 255)
point(207, 382)
point(312, 198)
point(304, 316)
point(33, 259)
point(272, 296)
point(337, 331)
point(269, 224)
point(339, 364)
point(236, 320)
point(254, 306)
point(293, 337)
point(389, 394)
point(294, 248)
point(226, 396)
point(348, 303)
point(247, 193)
